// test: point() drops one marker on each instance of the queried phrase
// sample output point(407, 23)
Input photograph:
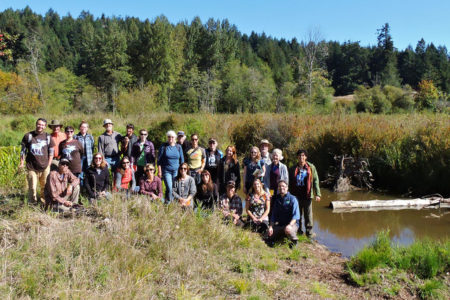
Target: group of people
point(194, 177)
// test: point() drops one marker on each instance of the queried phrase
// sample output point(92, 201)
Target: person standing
point(254, 168)
point(185, 145)
point(213, 156)
point(142, 153)
point(57, 137)
point(87, 141)
point(229, 169)
point(285, 217)
point(264, 147)
point(37, 150)
point(108, 144)
point(170, 157)
point(72, 150)
point(128, 141)
point(196, 159)
point(305, 186)
point(275, 172)
point(62, 188)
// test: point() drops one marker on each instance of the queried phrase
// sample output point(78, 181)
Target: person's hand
point(68, 203)
point(199, 171)
point(103, 193)
point(317, 198)
point(270, 231)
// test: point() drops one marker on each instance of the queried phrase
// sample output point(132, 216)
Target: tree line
point(120, 64)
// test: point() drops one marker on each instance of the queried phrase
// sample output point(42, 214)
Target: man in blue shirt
point(285, 215)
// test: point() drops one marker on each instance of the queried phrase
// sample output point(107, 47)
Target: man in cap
point(57, 137)
point(231, 204)
point(37, 151)
point(108, 144)
point(264, 147)
point(62, 189)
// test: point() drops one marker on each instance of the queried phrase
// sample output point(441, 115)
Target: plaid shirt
point(228, 205)
point(88, 145)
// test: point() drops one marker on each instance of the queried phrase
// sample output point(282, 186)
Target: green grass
point(321, 289)
point(433, 289)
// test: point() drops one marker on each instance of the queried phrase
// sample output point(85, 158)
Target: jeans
point(113, 162)
point(84, 167)
point(168, 178)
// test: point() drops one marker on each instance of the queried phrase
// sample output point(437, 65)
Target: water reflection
point(349, 232)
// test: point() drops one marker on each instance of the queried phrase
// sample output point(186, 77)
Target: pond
point(349, 232)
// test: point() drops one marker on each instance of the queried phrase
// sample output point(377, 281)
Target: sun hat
point(55, 123)
point(107, 121)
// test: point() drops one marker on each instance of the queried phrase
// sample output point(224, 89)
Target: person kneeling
point(62, 188)
point(230, 204)
point(285, 217)
point(150, 184)
point(125, 178)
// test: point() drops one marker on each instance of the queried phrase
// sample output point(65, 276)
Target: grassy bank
point(407, 153)
point(428, 261)
point(138, 249)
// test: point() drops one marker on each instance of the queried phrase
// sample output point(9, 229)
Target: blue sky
point(340, 20)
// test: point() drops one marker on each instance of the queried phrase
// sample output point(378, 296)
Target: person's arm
point(89, 180)
point(133, 181)
point(118, 180)
point(51, 152)
point(238, 176)
point(159, 184)
point(192, 190)
point(134, 153)
point(107, 185)
point(247, 208)
point(245, 177)
point(216, 193)
point(175, 191)
point(100, 145)
point(316, 185)
point(180, 152)
point(267, 210)
point(295, 211)
point(152, 153)
point(263, 169)
point(284, 173)
point(266, 180)
point(203, 160)
point(23, 150)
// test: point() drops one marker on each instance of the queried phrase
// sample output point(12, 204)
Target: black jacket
point(233, 173)
point(95, 182)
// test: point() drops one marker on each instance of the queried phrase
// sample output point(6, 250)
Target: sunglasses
point(125, 162)
point(194, 139)
point(68, 131)
point(151, 170)
point(97, 158)
point(184, 169)
point(144, 134)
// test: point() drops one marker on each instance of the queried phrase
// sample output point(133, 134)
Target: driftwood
point(397, 204)
point(348, 174)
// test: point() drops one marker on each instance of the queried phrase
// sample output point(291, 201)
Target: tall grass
point(132, 249)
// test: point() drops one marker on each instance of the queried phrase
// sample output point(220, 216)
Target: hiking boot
point(292, 244)
point(310, 235)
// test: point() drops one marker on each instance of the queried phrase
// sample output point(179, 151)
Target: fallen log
point(351, 205)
